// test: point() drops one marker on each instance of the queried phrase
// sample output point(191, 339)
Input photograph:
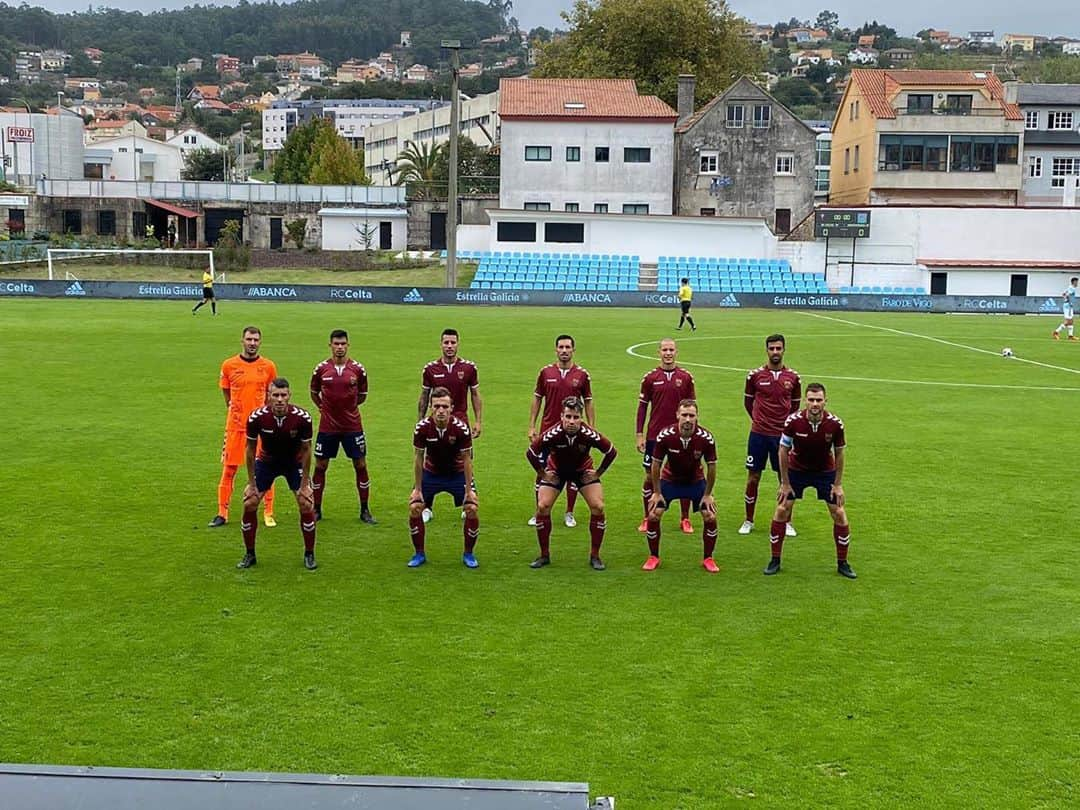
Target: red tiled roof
point(879, 87)
point(579, 98)
point(208, 90)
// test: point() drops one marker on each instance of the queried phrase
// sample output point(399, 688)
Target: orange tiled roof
point(208, 90)
point(879, 87)
point(560, 98)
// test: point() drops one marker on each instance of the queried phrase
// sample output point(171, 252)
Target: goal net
point(130, 264)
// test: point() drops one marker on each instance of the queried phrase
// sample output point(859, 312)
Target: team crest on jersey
point(828, 437)
point(461, 375)
point(788, 384)
point(678, 382)
point(452, 439)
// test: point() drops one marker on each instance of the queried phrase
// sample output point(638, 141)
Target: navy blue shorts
point(646, 461)
point(267, 471)
point(431, 485)
point(760, 448)
point(671, 492)
point(821, 481)
point(354, 444)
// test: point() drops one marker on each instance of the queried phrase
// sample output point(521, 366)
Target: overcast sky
point(1048, 17)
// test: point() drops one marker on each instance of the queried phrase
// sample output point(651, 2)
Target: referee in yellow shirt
point(207, 293)
point(686, 297)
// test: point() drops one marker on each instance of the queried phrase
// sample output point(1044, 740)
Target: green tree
point(624, 39)
point(478, 170)
point(293, 164)
point(335, 162)
point(80, 65)
point(204, 164)
point(827, 20)
point(415, 169)
point(796, 92)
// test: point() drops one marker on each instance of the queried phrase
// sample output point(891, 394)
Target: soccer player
point(686, 298)
point(662, 389)
point(459, 377)
point(1068, 308)
point(562, 456)
point(244, 381)
point(207, 293)
point(278, 443)
point(339, 386)
point(442, 462)
point(773, 392)
point(554, 384)
point(812, 455)
point(678, 454)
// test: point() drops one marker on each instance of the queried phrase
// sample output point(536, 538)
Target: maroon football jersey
point(339, 391)
point(811, 447)
point(772, 396)
point(554, 384)
point(683, 457)
point(661, 392)
point(443, 449)
point(568, 454)
point(282, 436)
point(458, 378)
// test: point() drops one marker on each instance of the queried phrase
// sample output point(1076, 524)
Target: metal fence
point(200, 191)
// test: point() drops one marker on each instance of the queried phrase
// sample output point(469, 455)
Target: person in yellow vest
point(686, 297)
point(207, 293)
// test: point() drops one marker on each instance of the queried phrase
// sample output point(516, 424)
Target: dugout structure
point(58, 255)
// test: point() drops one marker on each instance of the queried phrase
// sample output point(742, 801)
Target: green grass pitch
point(945, 676)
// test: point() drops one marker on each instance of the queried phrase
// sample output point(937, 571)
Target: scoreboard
point(842, 223)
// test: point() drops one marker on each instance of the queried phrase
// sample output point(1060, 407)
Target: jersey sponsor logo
point(730, 300)
point(75, 289)
point(271, 292)
point(413, 296)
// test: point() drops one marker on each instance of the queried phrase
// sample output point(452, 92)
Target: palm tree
point(416, 168)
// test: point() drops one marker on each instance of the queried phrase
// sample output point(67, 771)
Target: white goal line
point(59, 252)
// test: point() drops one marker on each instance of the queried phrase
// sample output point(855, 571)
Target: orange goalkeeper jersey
point(247, 382)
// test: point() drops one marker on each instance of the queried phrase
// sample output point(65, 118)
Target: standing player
point(678, 454)
point(207, 293)
point(686, 299)
point(662, 389)
point(812, 455)
point(773, 392)
point(1068, 309)
point(244, 381)
point(562, 456)
point(339, 386)
point(554, 384)
point(278, 443)
point(442, 462)
point(459, 377)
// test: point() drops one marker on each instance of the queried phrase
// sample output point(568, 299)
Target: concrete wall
point(344, 232)
point(586, 182)
point(472, 210)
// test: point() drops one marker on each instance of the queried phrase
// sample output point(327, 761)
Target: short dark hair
point(279, 382)
point(252, 330)
point(816, 387)
point(439, 391)
point(446, 332)
point(565, 337)
point(687, 403)
point(339, 333)
point(574, 403)
point(775, 338)
point(1074, 279)
point(684, 281)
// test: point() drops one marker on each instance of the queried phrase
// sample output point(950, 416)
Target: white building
point(190, 139)
point(364, 228)
point(1070, 48)
point(135, 158)
point(351, 117)
point(585, 145)
point(863, 56)
point(40, 144)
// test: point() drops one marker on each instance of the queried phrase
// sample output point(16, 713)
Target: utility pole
point(454, 46)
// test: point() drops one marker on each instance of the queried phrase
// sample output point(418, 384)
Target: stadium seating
point(525, 270)
point(739, 275)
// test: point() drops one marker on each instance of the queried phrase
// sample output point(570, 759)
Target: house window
point(1056, 119)
point(1034, 167)
point(762, 116)
point(637, 154)
point(537, 206)
point(957, 104)
point(572, 207)
point(106, 223)
point(516, 232)
point(785, 163)
point(708, 212)
point(1031, 119)
point(920, 103)
point(1062, 168)
point(573, 154)
point(982, 153)
point(599, 208)
point(635, 208)
point(537, 153)
point(822, 152)
point(855, 164)
point(602, 154)
point(735, 115)
point(709, 161)
point(72, 221)
point(564, 232)
point(138, 224)
point(122, 149)
point(821, 179)
point(847, 161)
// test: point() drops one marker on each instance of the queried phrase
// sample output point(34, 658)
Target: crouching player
point(442, 462)
point(812, 455)
point(566, 448)
point(676, 474)
point(278, 443)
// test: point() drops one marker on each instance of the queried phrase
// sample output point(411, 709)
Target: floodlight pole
point(454, 46)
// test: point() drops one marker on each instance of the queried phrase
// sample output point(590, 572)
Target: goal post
point(54, 255)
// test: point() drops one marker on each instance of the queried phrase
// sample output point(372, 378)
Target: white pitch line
point(938, 340)
point(631, 350)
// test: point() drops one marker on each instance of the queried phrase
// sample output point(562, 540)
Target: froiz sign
point(20, 134)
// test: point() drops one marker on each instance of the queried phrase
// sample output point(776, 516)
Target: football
point(1006, 352)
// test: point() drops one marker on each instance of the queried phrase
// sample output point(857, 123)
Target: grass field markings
point(632, 351)
point(939, 340)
